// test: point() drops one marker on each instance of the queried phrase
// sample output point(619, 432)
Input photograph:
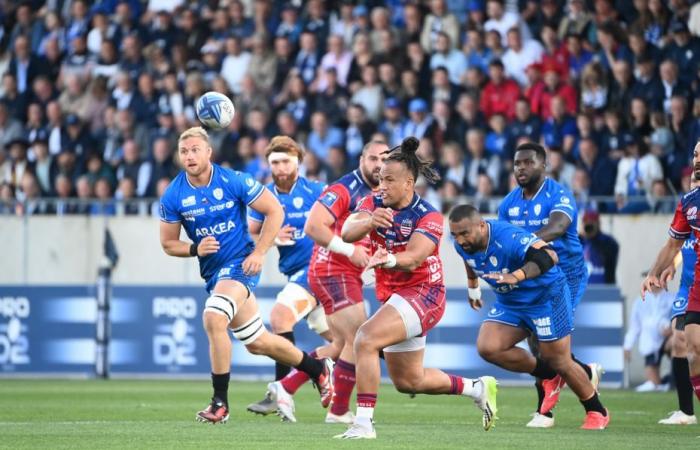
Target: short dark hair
point(534, 147)
point(461, 212)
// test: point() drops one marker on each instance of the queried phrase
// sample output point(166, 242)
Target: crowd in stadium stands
point(94, 93)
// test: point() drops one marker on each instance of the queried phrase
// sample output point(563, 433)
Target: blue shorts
point(577, 279)
point(549, 320)
point(232, 270)
point(680, 303)
point(300, 277)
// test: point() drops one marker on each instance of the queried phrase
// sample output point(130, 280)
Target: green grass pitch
point(119, 414)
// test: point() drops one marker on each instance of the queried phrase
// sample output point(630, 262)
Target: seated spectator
point(132, 166)
point(126, 191)
point(600, 250)
point(554, 87)
point(358, 132)
point(420, 121)
point(388, 78)
point(263, 64)
point(554, 53)
point(63, 189)
point(15, 102)
point(443, 89)
point(560, 129)
point(13, 169)
point(468, 116)
point(290, 25)
point(503, 21)
point(478, 55)
point(559, 169)
point(673, 86)
point(585, 130)
point(369, 95)
point(636, 172)
point(447, 56)
point(235, 64)
point(452, 161)
point(307, 58)
point(579, 56)
point(30, 199)
point(500, 94)
point(104, 204)
point(520, 54)
point(337, 58)
point(648, 325)
point(610, 38)
point(660, 200)
point(393, 124)
point(640, 121)
point(8, 201)
point(524, 124)
point(600, 169)
point(337, 163)
point(43, 165)
point(322, 136)
point(478, 162)
point(484, 197)
point(594, 89)
point(613, 134)
point(10, 128)
point(497, 137)
point(439, 20)
point(684, 50)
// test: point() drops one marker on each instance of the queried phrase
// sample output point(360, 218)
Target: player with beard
point(686, 222)
point(405, 233)
point(542, 206)
point(209, 202)
point(295, 302)
point(335, 272)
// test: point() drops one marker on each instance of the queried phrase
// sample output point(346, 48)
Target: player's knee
point(214, 323)
point(559, 363)
point(487, 350)
point(693, 351)
point(679, 347)
point(363, 341)
point(258, 347)
point(219, 311)
point(281, 321)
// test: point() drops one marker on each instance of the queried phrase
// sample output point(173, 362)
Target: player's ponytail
point(406, 155)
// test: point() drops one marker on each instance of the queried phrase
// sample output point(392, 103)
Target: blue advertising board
point(157, 330)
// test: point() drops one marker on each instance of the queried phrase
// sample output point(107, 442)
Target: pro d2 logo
point(14, 345)
point(174, 343)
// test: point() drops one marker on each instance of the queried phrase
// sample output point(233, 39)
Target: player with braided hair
point(405, 233)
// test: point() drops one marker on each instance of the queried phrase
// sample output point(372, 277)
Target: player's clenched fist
point(207, 246)
point(382, 218)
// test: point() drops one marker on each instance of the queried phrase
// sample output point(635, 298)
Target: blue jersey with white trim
point(533, 214)
point(297, 204)
point(505, 253)
point(217, 209)
point(689, 258)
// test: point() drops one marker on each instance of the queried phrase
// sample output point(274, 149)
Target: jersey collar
point(291, 190)
point(522, 191)
point(211, 177)
point(358, 175)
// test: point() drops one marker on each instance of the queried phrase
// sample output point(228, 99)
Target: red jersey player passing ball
point(405, 233)
point(685, 221)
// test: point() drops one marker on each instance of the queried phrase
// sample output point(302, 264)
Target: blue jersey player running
point(532, 297)
point(295, 301)
point(210, 203)
point(542, 206)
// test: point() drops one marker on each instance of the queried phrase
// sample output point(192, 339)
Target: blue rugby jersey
point(297, 204)
point(217, 209)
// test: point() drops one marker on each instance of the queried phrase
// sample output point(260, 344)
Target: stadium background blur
point(95, 93)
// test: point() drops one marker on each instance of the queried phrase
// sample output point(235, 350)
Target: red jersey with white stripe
point(418, 217)
point(340, 199)
point(686, 220)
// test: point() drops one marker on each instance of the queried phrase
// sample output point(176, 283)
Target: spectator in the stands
point(500, 94)
point(600, 250)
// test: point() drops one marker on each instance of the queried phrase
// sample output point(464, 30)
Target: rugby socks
point(695, 382)
point(296, 379)
point(365, 408)
point(593, 404)
point(584, 366)
point(311, 366)
point(220, 384)
point(684, 389)
point(465, 386)
point(282, 370)
point(542, 370)
point(344, 383)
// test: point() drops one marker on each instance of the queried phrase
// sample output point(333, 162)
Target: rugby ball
point(215, 110)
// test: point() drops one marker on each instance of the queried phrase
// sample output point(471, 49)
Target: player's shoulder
point(352, 181)
point(691, 198)
point(310, 187)
point(422, 207)
point(512, 196)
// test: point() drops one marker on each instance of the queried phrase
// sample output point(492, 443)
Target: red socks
point(456, 385)
point(343, 383)
point(366, 400)
point(695, 381)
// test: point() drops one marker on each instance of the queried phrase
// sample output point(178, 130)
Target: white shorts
point(297, 299)
point(411, 322)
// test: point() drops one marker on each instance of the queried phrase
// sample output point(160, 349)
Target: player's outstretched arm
point(663, 260)
point(173, 246)
point(555, 228)
point(539, 258)
point(357, 226)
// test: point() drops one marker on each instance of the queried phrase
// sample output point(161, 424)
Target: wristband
point(390, 261)
point(337, 245)
point(193, 250)
point(474, 293)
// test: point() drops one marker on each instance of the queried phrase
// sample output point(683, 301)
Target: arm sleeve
point(565, 204)
point(680, 228)
point(336, 199)
point(245, 188)
point(168, 212)
point(430, 225)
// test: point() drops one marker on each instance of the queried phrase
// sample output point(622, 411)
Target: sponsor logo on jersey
point(565, 200)
point(218, 193)
point(219, 228)
point(406, 227)
point(193, 212)
point(298, 202)
point(229, 204)
point(692, 213)
point(329, 198)
point(493, 260)
point(514, 211)
point(543, 326)
point(189, 201)
point(250, 182)
point(538, 209)
point(524, 240)
point(495, 312)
